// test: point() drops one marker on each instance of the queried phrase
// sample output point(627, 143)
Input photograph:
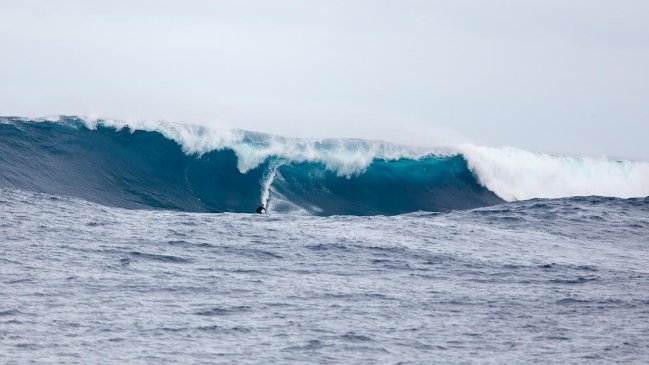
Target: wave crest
point(514, 174)
point(346, 157)
point(198, 168)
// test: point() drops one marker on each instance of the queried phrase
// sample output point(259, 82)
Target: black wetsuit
point(260, 209)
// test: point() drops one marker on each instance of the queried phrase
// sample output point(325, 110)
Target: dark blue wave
point(136, 169)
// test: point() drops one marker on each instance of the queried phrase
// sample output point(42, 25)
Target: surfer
point(261, 208)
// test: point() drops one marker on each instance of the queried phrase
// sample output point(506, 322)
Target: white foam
point(515, 174)
point(511, 173)
point(346, 157)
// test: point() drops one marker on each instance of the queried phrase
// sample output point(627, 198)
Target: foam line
point(511, 173)
point(346, 157)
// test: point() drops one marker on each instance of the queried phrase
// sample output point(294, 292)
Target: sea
point(128, 242)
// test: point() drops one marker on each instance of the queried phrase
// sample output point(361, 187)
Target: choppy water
point(542, 281)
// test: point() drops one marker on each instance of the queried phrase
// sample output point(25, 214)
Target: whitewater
point(197, 168)
point(134, 242)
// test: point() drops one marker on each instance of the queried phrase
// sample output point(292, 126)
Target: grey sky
point(558, 76)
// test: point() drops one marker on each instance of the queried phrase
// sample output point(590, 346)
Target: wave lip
point(343, 156)
point(196, 168)
point(515, 174)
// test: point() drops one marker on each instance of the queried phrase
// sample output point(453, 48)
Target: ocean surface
point(134, 243)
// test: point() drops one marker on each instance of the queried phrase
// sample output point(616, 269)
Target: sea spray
point(515, 174)
point(267, 180)
point(196, 168)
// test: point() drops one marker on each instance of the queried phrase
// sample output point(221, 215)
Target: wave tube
point(190, 168)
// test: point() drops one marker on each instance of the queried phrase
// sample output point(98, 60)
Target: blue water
point(110, 255)
point(139, 169)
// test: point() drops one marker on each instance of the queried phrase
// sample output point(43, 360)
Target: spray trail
point(267, 180)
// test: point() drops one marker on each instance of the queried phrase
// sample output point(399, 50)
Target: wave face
point(191, 168)
point(201, 170)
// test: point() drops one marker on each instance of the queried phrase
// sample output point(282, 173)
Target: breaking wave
point(194, 168)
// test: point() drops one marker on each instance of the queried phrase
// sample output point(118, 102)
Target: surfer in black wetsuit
point(261, 208)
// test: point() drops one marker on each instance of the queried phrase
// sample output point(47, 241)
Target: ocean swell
point(193, 168)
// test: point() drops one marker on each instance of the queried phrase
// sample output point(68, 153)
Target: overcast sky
point(564, 76)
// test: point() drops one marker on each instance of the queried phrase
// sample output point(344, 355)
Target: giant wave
point(192, 168)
